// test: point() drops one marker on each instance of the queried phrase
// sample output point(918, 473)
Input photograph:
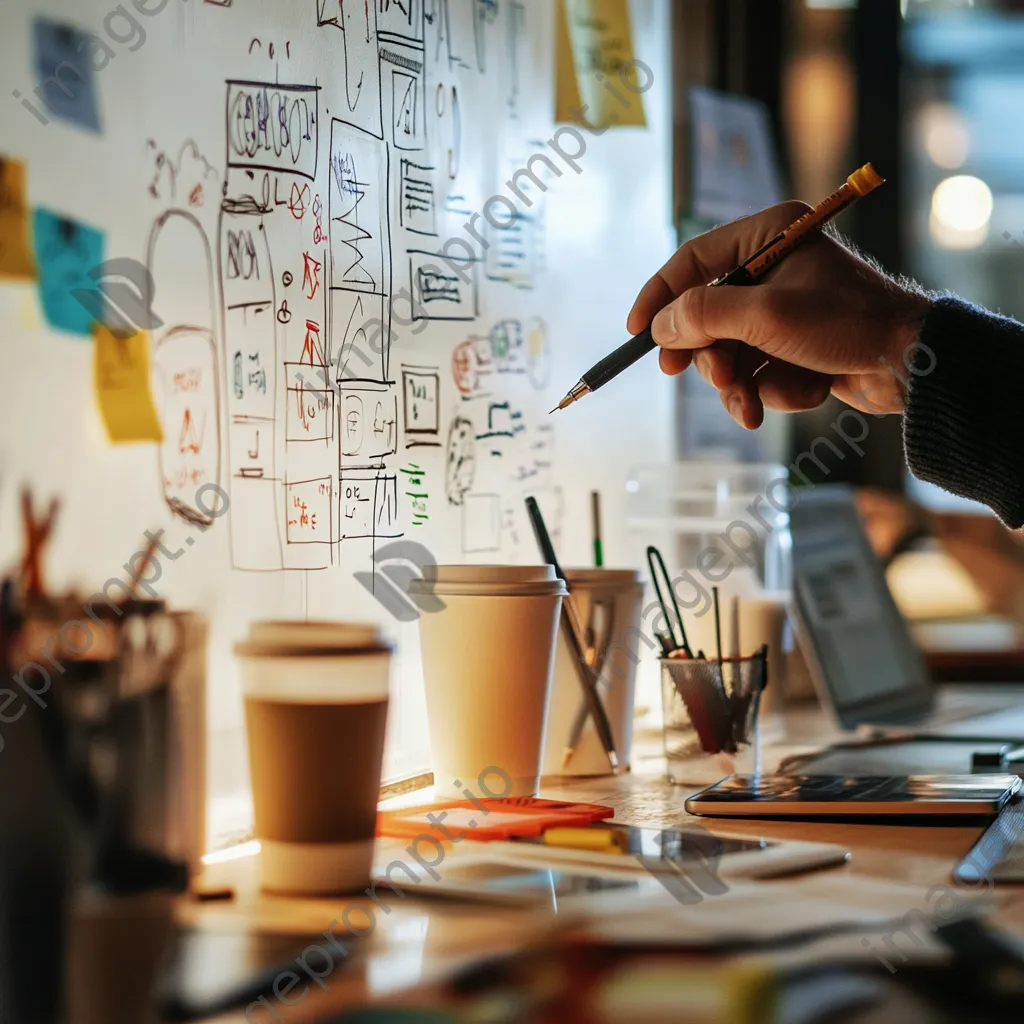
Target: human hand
point(823, 320)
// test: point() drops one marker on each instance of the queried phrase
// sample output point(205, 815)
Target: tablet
point(843, 796)
point(651, 849)
point(494, 879)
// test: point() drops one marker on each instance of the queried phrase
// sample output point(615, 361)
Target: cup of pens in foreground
point(711, 716)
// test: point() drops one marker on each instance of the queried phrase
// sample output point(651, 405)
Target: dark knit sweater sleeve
point(963, 427)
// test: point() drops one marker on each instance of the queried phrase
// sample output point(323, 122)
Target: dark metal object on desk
point(81, 773)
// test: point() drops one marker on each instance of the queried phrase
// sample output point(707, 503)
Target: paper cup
point(487, 663)
point(608, 601)
point(315, 691)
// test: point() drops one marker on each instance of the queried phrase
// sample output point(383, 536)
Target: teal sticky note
point(65, 253)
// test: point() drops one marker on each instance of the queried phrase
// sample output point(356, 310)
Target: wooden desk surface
point(419, 939)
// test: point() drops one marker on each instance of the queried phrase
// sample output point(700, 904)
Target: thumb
point(701, 316)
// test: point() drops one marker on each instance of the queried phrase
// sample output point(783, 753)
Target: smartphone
point(843, 796)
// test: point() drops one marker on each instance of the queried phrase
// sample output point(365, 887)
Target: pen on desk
point(858, 184)
point(595, 516)
point(574, 634)
point(147, 557)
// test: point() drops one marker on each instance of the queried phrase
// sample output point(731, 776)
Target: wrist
point(907, 322)
point(908, 319)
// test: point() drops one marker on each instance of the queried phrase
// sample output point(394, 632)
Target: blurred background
point(930, 91)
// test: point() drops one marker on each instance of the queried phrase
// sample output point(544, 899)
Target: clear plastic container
point(691, 510)
point(711, 717)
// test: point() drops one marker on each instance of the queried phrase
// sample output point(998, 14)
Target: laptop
point(865, 665)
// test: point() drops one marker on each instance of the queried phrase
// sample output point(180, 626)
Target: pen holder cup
point(711, 716)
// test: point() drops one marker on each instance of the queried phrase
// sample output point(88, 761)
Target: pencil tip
point(556, 408)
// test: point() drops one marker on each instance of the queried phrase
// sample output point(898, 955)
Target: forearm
point(963, 426)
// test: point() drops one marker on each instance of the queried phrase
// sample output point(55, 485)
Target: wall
point(281, 169)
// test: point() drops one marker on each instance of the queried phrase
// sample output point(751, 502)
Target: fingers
point(699, 317)
point(790, 388)
point(748, 383)
point(673, 361)
point(708, 256)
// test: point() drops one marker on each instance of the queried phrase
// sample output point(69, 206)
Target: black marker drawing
point(368, 414)
point(417, 205)
point(460, 460)
point(421, 415)
point(402, 65)
point(358, 24)
point(443, 287)
point(273, 127)
point(400, 19)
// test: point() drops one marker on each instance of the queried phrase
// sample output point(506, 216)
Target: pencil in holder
point(711, 716)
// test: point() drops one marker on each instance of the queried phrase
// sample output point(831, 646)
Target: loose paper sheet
point(121, 377)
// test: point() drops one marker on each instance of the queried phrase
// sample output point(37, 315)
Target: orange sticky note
point(123, 392)
point(15, 233)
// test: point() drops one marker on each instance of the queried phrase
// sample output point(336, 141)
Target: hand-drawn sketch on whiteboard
point(403, 80)
point(400, 19)
point(309, 511)
point(369, 425)
point(421, 415)
point(466, 23)
point(358, 24)
point(273, 127)
point(417, 203)
point(508, 348)
point(369, 505)
point(187, 397)
point(460, 460)
point(248, 294)
point(516, 48)
point(184, 358)
point(443, 287)
point(360, 249)
point(186, 179)
point(512, 253)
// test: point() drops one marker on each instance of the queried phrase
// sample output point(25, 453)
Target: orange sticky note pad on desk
point(123, 391)
point(489, 819)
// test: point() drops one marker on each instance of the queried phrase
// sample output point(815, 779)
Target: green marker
point(595, 514)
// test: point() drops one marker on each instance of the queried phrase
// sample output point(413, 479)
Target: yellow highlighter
point(602, 840)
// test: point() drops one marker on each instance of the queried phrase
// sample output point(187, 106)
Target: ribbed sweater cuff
point(962, 428)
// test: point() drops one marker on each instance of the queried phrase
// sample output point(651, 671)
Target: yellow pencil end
point(864, 180)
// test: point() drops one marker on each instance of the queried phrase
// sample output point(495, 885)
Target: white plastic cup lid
point(298, 638)
point(483, 580)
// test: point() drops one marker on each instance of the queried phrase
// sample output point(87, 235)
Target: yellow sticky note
point(15, 234)
point(567, 89)
point(609, 79)
point(121, 376)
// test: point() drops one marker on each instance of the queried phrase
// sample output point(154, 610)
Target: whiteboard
point(289, 175)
